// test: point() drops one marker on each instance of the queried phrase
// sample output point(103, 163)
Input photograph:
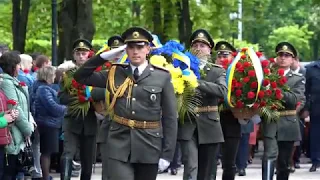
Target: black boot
point(229, 174)
point(267, 170)
point(66, 169)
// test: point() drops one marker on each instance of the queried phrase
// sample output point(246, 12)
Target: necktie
point(136, 73)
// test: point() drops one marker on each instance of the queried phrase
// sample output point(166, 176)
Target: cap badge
point(285, 47)
point(135, 34)
point(116, 42)
point(81, 44)
point(200, 35)
point(223, 46)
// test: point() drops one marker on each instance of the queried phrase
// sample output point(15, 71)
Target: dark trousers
point(176, 158)
point(2, 161)
point(298, 151)
point(229, 154)
point(207, 160)
point(118, 170)
point(243, 152)
point(87, 148)
point(10, 167)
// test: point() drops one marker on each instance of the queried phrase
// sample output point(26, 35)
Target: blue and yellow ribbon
point(231, 70)
point(181, 57)
point(88, 92)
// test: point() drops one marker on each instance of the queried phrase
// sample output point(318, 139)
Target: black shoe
point(313, 168)
point(283, 175)
point(267, 170)
point(242, 172)
point(250, 161)
point(173, 171)
point(297, 165)
point(66, 169)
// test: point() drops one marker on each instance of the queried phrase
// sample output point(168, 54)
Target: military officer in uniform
point(230, 126)
point(200, 136)
point(279, 137)
point(78, 130)
point(144, 109)
point(113, 42)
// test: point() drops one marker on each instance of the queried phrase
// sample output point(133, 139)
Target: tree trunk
point(187, 22)
point(180, 22)
point(19, 23)
point(316, 47)
point(167, 19)
point(156, 18)
point(136, 12)
point(75, 21)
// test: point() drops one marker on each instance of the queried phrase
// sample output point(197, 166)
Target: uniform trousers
point(198, 159)
point(279, 151)
point(118, 170)
point(87, 148)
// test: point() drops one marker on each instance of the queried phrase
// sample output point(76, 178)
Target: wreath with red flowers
point(81, 100)
point(244, 89)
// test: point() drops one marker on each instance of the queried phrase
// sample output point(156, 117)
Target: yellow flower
point(158, 60)
point(191, 79)
point(178, 85)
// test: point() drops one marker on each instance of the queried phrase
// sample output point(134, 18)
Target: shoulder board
point(217, 65)
point(161, 68)
point(297, 74)
point(120, 64)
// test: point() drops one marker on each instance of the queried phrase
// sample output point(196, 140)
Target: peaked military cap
point(137, 34)
point(201, 35)
point(287, 48)
point(115, 41)
point(225, 48)
point(82, 44)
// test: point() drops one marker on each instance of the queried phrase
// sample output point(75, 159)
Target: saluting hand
point(113, 53)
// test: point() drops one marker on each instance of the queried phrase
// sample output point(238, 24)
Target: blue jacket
point(47, 111)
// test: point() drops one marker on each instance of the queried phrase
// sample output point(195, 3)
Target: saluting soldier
point(279, 137)
point(230, 126)
point(144, 109)
point(113, 42)
point(200, 136)
point(78, 130)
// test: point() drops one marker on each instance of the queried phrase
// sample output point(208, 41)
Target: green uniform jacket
point(287, 128)
point(153, 99)
point(208, 126)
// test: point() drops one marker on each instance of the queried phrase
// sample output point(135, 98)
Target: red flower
point(234, 54)
point(259, 54)
point(279, 96)
point(98, 69)
point(261, 94)
point(91, 54)
point(251, 95)
point(252, 73)
point(246, 79)
point(234, 82)
point(243, 56)
point(239, 104)
point(266, 71)
point(246, 64)
point(244, 49)
point(225, 62)
point(22, 84)
point(263, 103)
point(265, 63)
point(238, 92)
point(239, 67)
point(278, 91)
point(273, 84)
point(239, 85)
point(90, 99)
point(256, 105)
point(254, 85)
point(283, 80)
point(281, 72)
point(74, 83)
point(81, 98)
point(274, 107)
point(268, 92)
point(26, 71)
point(239, 64)
point(35, 69)
point(12, 102)
point(266, 82)
point(272, 60)
point(108, 64)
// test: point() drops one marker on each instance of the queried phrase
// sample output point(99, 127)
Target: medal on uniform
point(153, 97)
